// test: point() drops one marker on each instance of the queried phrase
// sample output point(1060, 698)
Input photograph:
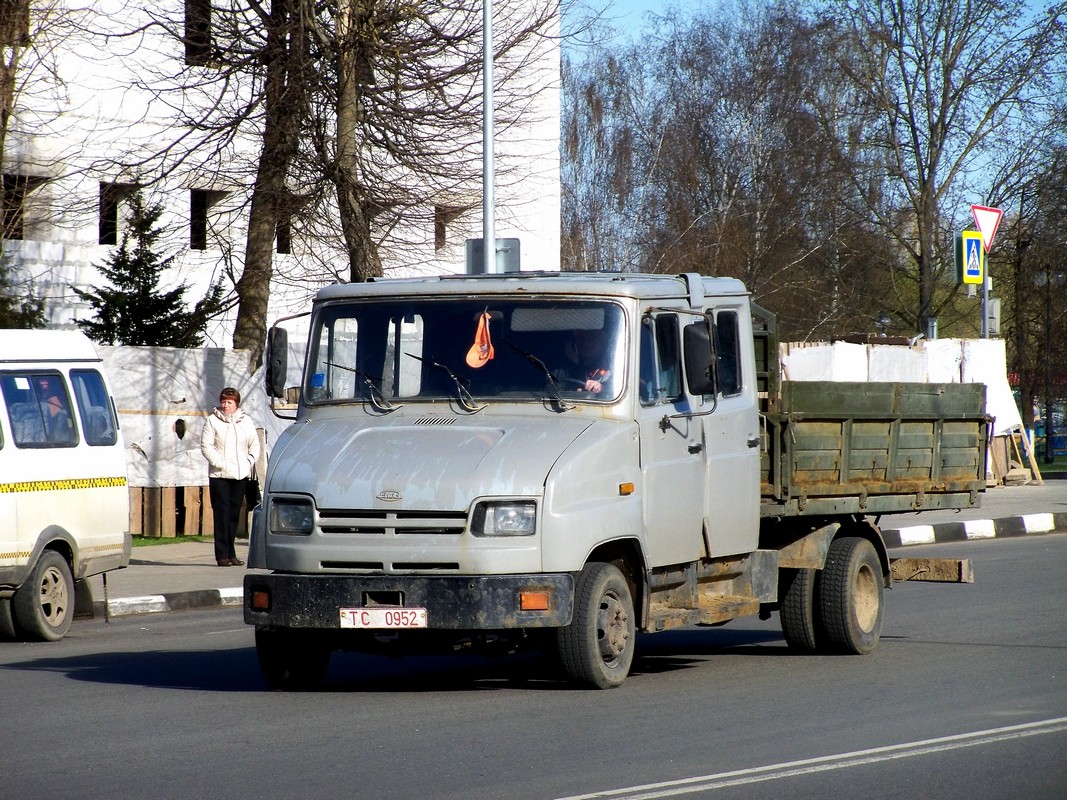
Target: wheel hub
point(866, 598)
point(54, 600)
point(613, 627)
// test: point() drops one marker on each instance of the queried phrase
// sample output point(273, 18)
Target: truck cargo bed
point(873, 448)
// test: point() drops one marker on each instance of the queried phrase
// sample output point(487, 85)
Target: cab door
point(730, 438)
point(671, 466)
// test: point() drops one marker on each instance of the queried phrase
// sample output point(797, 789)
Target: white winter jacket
point(230, 444)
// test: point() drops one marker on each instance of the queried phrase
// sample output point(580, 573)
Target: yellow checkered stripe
point(22, 555)
point(62, 484)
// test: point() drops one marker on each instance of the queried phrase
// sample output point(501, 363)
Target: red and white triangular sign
point(988, 220)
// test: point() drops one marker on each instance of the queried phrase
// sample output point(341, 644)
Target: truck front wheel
point(849, 595)
point(44, 604)
point(291, 660)
point(597, 648)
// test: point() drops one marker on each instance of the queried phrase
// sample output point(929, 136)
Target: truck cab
point(560, 459)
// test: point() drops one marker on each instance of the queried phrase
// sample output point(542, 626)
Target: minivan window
point(94, 407)
point(39, 409)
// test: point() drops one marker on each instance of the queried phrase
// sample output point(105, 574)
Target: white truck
point(64, 502)
point(461, 474)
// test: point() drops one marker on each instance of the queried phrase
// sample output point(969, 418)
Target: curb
point(172, 601)
point(1005, 527)
point(1002, 528)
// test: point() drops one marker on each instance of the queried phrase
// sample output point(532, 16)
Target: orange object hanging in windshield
point(481, 351)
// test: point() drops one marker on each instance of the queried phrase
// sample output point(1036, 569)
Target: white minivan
point(64, 502)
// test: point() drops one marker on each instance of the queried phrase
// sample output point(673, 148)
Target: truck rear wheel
point(849, 596)
point(597, 648)
point(796, 609)
point(292, 660)
point(44, 605)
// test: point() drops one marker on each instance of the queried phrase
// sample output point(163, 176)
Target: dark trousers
point(227, 495)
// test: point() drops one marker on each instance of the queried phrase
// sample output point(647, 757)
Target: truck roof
point(32, 346)
point(608, 284)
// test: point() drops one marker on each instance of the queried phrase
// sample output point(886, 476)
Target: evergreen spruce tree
point(133, 310)
point(18, 310)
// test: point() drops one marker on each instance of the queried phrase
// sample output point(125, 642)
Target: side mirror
point(699, 358)
point(277, 362)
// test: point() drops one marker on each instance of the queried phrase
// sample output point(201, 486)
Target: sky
point(628, 16)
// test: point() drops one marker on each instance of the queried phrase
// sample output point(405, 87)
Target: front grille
point(392, 523)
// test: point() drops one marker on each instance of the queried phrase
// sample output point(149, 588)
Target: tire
point(597, 648)
point(796, 610)
point(44, 605)
point(849, 596)
point(8, 631)
point(291, 660)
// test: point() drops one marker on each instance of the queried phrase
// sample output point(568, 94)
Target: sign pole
point(985, 307)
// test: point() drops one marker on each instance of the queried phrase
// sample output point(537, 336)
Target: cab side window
point(39, 409)
point(94, 407)
point(728, 353)
point(660, 370)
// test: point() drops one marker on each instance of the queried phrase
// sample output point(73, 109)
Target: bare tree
point(703, 151)
point(31, 94)
point(368, 114)
point(948, 90)
point(286, 54)
point(405, 99)
point(1028, 265)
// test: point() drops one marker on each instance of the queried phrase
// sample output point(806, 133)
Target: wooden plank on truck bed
point(934, 570)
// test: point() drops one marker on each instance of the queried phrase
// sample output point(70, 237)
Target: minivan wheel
point(44, 604)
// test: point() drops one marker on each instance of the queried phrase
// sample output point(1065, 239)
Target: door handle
point(695, 448)
point(753, 441)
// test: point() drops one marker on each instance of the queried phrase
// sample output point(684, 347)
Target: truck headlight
point(291, 517)
point(514, 518)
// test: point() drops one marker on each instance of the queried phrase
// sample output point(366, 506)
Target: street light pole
point(488, 200)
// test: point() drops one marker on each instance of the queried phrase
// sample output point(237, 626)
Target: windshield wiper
point(377, 399)
point(463, 395)
point(553, 381)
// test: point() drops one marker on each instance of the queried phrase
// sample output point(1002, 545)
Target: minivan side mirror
point(277, 362)
point(699, 358)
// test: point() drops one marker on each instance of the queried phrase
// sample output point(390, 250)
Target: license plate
point(389, 618)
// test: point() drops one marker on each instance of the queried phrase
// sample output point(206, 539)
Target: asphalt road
point(966, 696)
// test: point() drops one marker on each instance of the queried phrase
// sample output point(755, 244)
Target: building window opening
point(283, 237)
point(15, 23)
point(197, 32)
point(443, 216)
point(113, 197)
point(201, 201)
point(17, 189)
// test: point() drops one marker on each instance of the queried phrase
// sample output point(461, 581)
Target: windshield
point(466, 349)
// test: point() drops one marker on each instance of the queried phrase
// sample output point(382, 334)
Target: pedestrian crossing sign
point(970, 258)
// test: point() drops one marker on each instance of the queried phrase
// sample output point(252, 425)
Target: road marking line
point(791, 769)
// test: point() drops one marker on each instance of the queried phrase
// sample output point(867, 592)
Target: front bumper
point(454, 602)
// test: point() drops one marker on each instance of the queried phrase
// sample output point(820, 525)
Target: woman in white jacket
point(230, 444)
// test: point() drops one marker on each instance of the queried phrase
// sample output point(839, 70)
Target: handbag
point(253, 497)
